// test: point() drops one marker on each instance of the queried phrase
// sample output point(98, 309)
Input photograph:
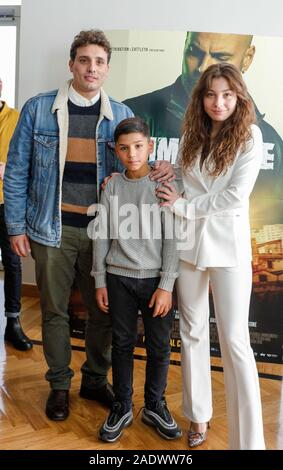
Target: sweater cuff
point(167, 281)
point(100, 278)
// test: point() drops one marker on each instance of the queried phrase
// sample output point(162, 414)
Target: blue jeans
point(13, 272)
point(126, 297)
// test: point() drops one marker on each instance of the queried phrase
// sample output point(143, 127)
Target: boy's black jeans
point(126, 297)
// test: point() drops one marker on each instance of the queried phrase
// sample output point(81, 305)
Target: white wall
point(48, 28)
point(6, 3)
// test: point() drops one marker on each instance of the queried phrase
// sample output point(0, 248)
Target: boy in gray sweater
point(135, 267)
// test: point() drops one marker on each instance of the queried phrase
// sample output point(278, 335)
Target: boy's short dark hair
point(130, 125)
point(92, 36)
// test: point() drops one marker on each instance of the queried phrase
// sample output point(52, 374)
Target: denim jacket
point(36, 160)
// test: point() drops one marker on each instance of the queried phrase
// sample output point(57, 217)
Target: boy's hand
point(162, 302)
point(101, 295)
point(162, 171)
point(108, 178)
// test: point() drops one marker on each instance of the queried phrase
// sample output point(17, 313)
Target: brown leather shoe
point(103, 395)
point(57, 405)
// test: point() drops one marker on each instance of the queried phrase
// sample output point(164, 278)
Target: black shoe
point(15, 335)
point(103, 395)
point(119, 418)
point(57, 405)
point(160, 417)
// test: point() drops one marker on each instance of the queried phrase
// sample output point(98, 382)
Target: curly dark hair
point(92, 36)
point(197, 126)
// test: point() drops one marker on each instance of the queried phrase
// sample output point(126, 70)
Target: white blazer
point(219, 207)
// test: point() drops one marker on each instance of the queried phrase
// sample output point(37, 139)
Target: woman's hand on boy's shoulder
point(162, 301)
point(168, 193)
point(162, 171)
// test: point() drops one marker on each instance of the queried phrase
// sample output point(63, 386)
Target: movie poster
point(154, 73)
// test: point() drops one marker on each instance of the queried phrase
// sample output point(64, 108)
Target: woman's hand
point(162, 171)
point(167, 192)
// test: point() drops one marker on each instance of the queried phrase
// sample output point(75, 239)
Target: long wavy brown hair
point(233, 135)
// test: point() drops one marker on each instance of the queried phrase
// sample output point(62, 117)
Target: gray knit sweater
point(134, 236)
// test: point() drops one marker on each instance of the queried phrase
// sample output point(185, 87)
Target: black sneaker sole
point(148, 421)
point(105, 438)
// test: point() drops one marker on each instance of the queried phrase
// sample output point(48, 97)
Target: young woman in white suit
point(219, 159)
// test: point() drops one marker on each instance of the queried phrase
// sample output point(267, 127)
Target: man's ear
point(248, 58)
point(71, 63)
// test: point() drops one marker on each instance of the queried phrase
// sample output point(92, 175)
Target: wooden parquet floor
point(23, 393)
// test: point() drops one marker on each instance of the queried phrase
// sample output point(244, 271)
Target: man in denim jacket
point(61, 151)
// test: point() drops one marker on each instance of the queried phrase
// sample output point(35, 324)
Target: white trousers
point(231, 288)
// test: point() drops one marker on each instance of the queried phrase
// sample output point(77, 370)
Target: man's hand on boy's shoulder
point(108, 178)
point(162, 171)
point(162, 301)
